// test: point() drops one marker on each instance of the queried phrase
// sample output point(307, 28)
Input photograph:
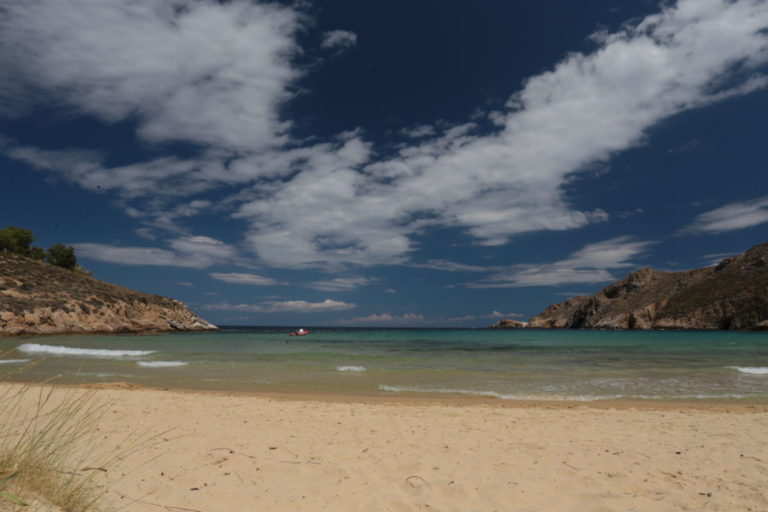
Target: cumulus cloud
point(289, 306)
point(417, 132)
point(497, 314)
point(189, 251)
point(249, 279)
point(340, 284)
point(591, 264)
point(588, 107)
point(208, 72)
point(733, 216)
point(339, 39)
point(385, 319)
point(215, 74)
point(451, 266)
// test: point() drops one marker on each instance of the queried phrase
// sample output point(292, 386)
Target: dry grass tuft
point(52, 453)
point(46, 434)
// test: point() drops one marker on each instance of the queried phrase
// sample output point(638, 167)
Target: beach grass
point(51, 456)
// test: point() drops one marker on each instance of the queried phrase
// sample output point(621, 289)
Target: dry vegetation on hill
point(36, 297)
point(730, 295)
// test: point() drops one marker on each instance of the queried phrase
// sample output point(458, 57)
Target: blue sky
point(384, 163)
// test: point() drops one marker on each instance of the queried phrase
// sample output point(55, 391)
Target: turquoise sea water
point(507, 364)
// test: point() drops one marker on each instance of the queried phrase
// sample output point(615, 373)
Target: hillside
point(730, 295)
point(38, 298)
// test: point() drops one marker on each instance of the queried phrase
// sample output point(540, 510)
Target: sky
point(399, 163)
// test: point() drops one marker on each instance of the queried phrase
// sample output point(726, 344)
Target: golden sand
point(232, 453)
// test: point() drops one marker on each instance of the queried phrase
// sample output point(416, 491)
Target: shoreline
point(427, 399)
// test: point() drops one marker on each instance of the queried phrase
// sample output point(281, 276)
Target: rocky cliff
point(730, 295)
point(509, 324)
point(38, 298)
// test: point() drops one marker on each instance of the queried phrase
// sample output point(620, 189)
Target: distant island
point(49, 298)
point(730, 295)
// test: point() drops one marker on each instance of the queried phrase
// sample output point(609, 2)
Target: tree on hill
point(62, 256)
point(19, 241)
point(16, 240)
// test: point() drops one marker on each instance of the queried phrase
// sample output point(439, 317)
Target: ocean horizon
point(516, 364)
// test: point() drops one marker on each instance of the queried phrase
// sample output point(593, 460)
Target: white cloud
point(732, 216)
point(451, 266)
point(208, 72)
point(216, 74)
point(339, 39)
point(417, 132)
point(496, 314)
point(591, 264)
point(249, 279)
point(384, 319)
point(129, 255)
point(588, 107)
point(340, 284)
point(289, 306)
point(190, 251)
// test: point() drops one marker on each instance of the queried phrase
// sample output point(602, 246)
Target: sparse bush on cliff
point(16, 240)
point(62, 256)
point(37, 253)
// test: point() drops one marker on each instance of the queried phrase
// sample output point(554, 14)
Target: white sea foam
point(751, 370)
point(492, 394)
point(558, 398)
point(35, 348)
point(161, 364)
point(352, 368)
point(103, 374)
point(13, 361)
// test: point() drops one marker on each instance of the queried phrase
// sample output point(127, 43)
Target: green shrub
point(62, 256)
point(16, 240)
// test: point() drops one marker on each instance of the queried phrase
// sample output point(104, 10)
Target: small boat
point(299, 332)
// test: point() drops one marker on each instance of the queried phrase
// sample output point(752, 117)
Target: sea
point(514, 364)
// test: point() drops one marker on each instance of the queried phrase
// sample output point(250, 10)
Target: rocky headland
point(730, 295)
point(39, 298)
point(509, 324)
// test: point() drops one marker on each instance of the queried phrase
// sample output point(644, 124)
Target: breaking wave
point(558, 398)
point(35, 348)
point(351, 368)
point(161, 364)
point(751, 370)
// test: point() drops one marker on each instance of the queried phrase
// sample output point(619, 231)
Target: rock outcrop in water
point(38, 298)
point(509, 324)
point(730, 295)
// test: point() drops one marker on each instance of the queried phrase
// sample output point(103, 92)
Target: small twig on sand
point(230, 450)
point(572, 467)
point(166, 507)
point(416, 477)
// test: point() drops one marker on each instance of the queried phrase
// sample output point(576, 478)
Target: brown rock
point(509, 324)
point(38, 298)
point(730, 295)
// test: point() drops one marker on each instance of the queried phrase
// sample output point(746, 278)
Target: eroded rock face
point(509, 324)
point(37, 298)
point(730, 295)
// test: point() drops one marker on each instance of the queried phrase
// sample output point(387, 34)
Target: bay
point(578, 365)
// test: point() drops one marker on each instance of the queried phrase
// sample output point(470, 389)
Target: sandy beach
point(216, 452)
